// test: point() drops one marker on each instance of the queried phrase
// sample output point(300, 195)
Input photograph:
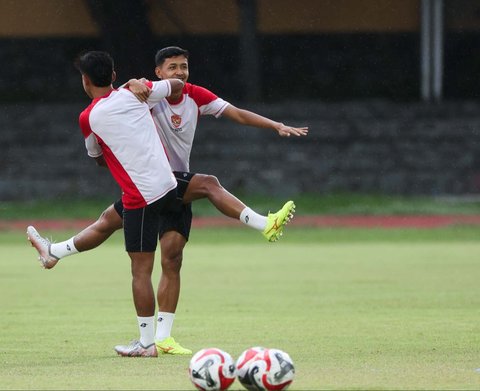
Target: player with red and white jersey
point(176, 119)
point(121, 130)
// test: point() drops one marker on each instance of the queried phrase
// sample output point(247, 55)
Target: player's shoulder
point(195, 88)
point(87, 110)
point(84, 119)
point(199, 94)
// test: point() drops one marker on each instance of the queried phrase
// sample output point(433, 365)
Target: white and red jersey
point(121, 128)
point(176, 122)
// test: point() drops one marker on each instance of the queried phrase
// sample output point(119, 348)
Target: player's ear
point(85, 80)
point(114, 76)
point(158, 72)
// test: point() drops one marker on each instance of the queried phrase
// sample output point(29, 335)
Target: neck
point(175, 97)
point(98, 92)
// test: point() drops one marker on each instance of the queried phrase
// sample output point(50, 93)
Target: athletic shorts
point(140, 226)
point(179, 217)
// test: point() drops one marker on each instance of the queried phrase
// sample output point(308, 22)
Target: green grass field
point(336, 204)
point(355, 309)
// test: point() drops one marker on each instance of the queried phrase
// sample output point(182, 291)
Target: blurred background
point(389, 89)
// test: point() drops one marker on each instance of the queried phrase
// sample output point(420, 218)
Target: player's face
point(173, 68)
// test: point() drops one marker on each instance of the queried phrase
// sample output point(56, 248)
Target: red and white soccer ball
point(243, 364)
point(268, 369)
point(212, 369)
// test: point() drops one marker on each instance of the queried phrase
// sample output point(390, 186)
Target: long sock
point(146, 325)
point(164, 325)
point(253, 219)
point(63, 249)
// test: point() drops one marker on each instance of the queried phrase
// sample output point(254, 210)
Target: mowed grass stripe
point(396, 313)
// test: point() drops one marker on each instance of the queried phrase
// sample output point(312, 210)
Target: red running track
point(425, 221)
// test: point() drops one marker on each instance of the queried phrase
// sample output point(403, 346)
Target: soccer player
point(118, 127)
point(176, 119)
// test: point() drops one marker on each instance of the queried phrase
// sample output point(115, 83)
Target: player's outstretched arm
point(249, 118)
point(162, 89)
point(142, 88)
point(177, 86)
point(139, 88)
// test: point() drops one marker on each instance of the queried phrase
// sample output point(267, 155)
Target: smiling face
point(173, 68)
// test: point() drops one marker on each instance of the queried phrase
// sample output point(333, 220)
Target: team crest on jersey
point(176, 120)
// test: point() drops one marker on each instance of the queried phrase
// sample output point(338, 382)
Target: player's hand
point(287, 131)
point(139, 89)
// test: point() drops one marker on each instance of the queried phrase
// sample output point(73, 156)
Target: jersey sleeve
point(208, 103)
point(160, 89)
point(91, 142)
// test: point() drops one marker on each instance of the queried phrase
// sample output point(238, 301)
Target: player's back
point(131, 147)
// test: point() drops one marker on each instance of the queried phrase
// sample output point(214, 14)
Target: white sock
point(146, 325)
point(63, 249)
point(164, 325)
point(253, 219)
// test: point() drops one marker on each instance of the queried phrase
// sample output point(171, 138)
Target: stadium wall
point(373, 147)
point(329, 67)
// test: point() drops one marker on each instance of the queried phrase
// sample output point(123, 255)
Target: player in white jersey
point(176, 119)
point(119, 130)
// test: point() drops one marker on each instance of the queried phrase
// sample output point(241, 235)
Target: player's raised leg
point(95, 234)
point(208, 186)
point(92, 236)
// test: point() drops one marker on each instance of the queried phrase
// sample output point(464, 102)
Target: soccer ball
point(271, 369)
point(212, 369)
point(243, 364)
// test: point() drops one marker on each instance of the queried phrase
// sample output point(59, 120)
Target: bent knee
point(109, 221)
point(211, 184)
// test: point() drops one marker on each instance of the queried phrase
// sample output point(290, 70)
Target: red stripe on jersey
point(200, 95)
point(134, 198)
point(83, 119)
point(84, 116)
point(131, 197)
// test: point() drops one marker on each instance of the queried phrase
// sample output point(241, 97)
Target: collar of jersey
point(104, 96)
point(180, 100)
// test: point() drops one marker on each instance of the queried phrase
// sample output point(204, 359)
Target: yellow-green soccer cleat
point(276, 222)
point(169, 346)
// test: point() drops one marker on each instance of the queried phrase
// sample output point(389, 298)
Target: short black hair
point(97, 65)
point(170, 51)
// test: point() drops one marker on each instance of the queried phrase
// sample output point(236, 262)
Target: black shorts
point(140, 226)
point(178, 218)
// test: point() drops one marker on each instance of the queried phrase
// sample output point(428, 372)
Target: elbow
point(100, 161)
point(176, 85)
